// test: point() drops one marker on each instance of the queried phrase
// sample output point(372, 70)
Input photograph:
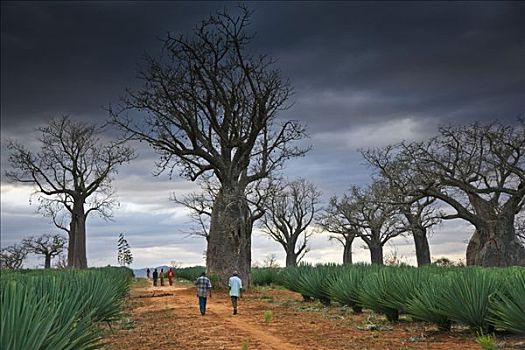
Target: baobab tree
point(376, 221)
point(12, 257)
point(200, 204)
point(337, 218)
point(72, 173)
point(419, 214)
point(478, 170)
point(210, 108)
point(47, 245)
point(290, 211)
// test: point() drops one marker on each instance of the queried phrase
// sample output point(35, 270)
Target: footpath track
point(168, 318)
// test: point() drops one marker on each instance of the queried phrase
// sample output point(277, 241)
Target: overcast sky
point(364, 75)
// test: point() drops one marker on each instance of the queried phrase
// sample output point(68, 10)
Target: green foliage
point(290, 278)
point(262, 276)
point(375, 290)
point(316, 282)
point(346, 286)
point(189, 273)
point(508, 305)
point(424, 302)
point(58, 310)
point(486, 341)
point(466, 300)
point(268, 316)
point(124, 256)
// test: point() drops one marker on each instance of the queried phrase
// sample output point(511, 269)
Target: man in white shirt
point(235, 285)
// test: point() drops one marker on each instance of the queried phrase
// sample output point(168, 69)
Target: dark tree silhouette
point(210, 109)
point(72, 173)
point(47, 245)
point(12, 257)
point(478, 170)
point(374, 220)
point(337, 218)
point(289, 212)
point(418, 212)
point(124, 256)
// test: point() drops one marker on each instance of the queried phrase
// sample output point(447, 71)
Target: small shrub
point(486, 341)
point(268, 316)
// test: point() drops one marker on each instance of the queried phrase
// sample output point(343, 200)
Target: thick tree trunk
point(77, 257)
point(291, 257)
point(347, 250)
point(229, 243)
point(496, 244)
point(376, 254)
point(47, 261)
point(71, 243)
point(422, 247)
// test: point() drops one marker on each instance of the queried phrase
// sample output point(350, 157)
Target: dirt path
point(168, 318)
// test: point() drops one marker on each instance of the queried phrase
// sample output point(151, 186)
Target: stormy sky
point(364, 75)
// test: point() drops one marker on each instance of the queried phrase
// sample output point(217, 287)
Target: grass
point(268, 316)
point(486, 341)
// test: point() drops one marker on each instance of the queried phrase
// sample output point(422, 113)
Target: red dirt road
point(174, 322)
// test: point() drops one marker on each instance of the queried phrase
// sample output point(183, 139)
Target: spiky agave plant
point(50, 322)
point(316, 283)
point(423, 305)
point(466, 300)
point(374, 291)
point(507, 309)
point(262, 276)
point(290, 278)
point(403, 282)
point(346, 286)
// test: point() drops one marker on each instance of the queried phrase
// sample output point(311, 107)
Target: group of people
point(203, 285)
point(156, 276)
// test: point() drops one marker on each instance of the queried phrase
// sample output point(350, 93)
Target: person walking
point(161, 277)
point(170, 276)
point(147, 273)
point(155, 276)
point(235, 286)
point(203, 286)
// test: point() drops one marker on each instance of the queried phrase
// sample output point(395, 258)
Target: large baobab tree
point(478, 170)
point(289, 212)
point(47, 245)
point(72, 173)
point(12, 257)
point(200, 204)
point(377, 220)
point(419, 214)
point(338, 218)
point(210, 108)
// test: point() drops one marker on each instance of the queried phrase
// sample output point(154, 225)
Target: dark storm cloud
point(62, 57)
point(363, 62)
point(352, 60)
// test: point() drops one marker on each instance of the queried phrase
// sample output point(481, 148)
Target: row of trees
point(49, 246)
point(473, 172)
point(210, 110)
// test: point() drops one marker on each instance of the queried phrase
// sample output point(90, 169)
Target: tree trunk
point(77, 254)
point(376, 254)
point(422, 247)
point(291, 257)
point(229, 244)
point(71, 242)
point(347, 250)
point(47, 261)
point(496, 244)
